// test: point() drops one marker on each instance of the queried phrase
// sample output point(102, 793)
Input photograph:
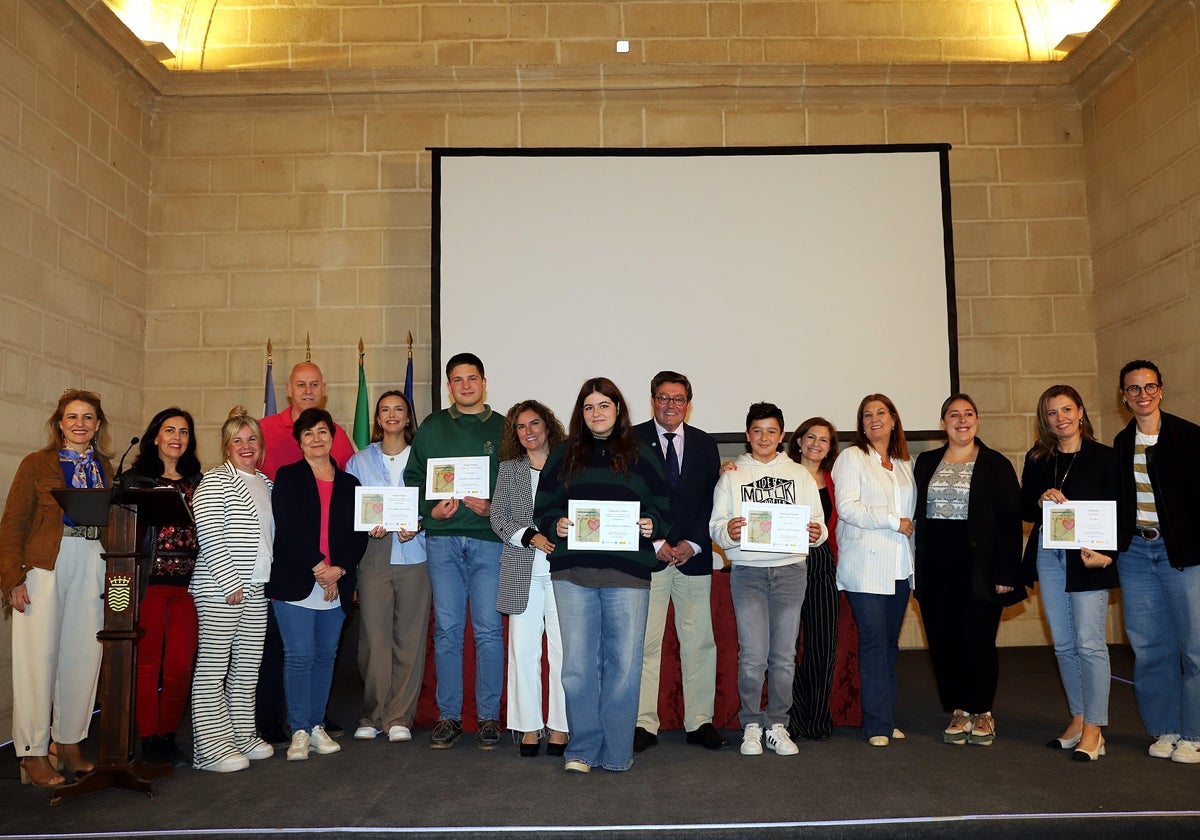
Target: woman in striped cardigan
point(234, 527)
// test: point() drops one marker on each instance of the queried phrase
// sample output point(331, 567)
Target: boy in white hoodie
point(767, 587)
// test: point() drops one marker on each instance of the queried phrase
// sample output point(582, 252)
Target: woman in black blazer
point(525, 593)
point(312, 578)
point(968, 566)
point(1067, 463)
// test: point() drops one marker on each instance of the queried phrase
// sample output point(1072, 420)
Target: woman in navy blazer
point(968, 566)
point(312, 580)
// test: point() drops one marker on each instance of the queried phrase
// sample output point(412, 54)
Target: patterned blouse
point(176, 546)
point(949, 491)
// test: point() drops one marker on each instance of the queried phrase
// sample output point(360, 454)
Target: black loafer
point(530, 750)
point(556, 749)
point(643, 740)
point(707, 736)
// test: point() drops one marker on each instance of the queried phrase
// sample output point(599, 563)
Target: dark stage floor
point(843, 788)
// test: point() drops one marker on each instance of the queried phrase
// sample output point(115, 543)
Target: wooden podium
point(129, 514)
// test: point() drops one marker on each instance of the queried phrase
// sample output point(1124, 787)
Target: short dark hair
point(764, 411)
point(670, 376)
point(464, 359)
point(1139, 364)
point(796, 441)
point(309, 418)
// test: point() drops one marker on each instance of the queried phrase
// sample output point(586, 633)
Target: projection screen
point(807, 276)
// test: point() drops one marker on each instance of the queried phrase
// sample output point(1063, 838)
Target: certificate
point(456, 478)
point(392, 507)
point(1080, 525)
point(603, 526)
point(782, 529)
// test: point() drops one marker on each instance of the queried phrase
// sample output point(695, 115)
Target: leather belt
point(1149, 534)
point(88, 532)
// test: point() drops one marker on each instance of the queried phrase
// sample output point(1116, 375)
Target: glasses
point(1136, 390)
point(663, 399)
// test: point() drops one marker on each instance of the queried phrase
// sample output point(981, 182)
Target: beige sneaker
point(959, 728)
point(298, 749)
point(322, 744)
point(983, 730)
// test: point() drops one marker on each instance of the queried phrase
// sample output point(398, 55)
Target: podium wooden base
point(135, 776)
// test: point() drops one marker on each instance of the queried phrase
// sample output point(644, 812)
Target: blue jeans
point(462, 569)
point(1077, 625)
point(1162, 620)
point(603, 629)
point(879, 618)
point(310, 641)
point(766, 604)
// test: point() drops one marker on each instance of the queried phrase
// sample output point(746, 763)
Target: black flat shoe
point(555, 749)
point(643, 739)
point(707, 736)
point(530, 750)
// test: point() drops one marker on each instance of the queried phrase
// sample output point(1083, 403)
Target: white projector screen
point(807, 277)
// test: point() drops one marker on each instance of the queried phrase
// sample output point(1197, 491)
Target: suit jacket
point(512, 514)
point(1173, 464)
point(297, 509)
point(692, 496)
point(994, 529)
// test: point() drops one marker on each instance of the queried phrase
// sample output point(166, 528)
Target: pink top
point(325, 493)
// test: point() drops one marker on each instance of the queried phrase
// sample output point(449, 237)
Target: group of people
point(275, 546)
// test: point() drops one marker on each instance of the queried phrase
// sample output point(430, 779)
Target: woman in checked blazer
point(234, 527)
point(530, 431)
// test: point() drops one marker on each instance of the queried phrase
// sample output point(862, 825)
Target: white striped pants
point(227, 660)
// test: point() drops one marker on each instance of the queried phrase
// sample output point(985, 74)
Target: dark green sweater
point(645, 484)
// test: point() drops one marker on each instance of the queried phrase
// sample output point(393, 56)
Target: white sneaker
point(1164, 746)
point(261, 750)
point(1186, 752)
point(399, 733)
point(778, 740)
point(298, 750)
point(229, 764)
point(366, 733)
point(321, 743)
point(752, 739)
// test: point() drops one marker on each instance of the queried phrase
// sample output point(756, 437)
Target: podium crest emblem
point(119, 594)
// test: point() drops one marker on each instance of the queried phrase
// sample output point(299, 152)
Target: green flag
point(362, 412)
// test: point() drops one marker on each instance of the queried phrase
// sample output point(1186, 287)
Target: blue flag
point(408, 385)
point(269, 395)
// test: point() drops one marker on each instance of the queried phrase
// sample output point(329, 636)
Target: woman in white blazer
point(235, 530)
point(876, 497)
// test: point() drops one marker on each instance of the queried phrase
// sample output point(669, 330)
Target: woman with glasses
point(1067, 463)
point(1159, 535)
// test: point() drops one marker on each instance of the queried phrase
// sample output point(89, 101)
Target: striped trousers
point(227, 660)
point(809, 715)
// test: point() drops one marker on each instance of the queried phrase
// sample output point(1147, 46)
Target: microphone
point(119, 481)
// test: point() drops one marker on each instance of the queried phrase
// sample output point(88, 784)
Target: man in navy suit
point(685, 564)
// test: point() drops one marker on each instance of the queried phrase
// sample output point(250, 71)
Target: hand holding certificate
point(603, 526)
point(457, 478)
point(393, 508)
point(782, 529)
point(1080, 525)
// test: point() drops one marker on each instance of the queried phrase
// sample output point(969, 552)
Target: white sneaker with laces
point(321, 743)
point(366, 733)
point(399, 733)
point(229, 764)
point(1164, 746)
point(298, 749)
point(1186, 752)
point(778, 740)
point(752, 739)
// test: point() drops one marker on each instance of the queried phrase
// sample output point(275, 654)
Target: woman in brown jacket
point(51, 575)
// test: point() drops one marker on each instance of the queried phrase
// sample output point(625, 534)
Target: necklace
point(1056, 485)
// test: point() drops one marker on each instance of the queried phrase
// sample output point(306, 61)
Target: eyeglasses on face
point(664, 399)
point(1150, 388)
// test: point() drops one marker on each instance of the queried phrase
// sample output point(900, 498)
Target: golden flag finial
point(307, 348)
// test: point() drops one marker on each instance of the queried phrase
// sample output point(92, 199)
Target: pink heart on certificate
point(377, 507)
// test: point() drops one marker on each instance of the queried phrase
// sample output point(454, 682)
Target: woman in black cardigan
point(968, 566)
point(312, 578)
point(1067, 463)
